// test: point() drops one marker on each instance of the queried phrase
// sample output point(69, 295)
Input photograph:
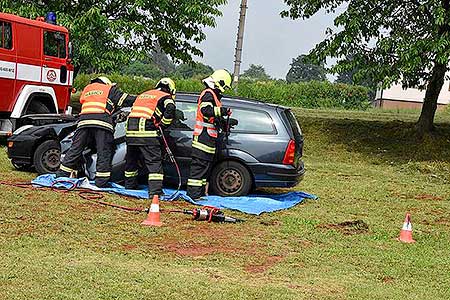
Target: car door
point(179, 138)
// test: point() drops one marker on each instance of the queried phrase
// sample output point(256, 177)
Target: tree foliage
point(305, 70)
point(107, 34)
point(194, 69)
point(256, 72)
point(390, 41)
point(144, 69)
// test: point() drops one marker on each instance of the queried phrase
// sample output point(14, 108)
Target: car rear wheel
point(47, 157)
point(230, 178)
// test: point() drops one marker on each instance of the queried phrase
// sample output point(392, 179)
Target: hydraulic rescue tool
point(210, 214)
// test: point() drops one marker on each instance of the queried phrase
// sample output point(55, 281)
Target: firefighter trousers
point(102, 140)
point(198, 177)
point(152, 158)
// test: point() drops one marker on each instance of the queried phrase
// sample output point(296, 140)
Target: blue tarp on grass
point(252, 204)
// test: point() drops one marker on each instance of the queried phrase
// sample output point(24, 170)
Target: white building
point(396, 97)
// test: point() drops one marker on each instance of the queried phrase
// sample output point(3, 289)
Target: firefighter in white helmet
point(151, 110)
point(210, 113)
point(99, 100)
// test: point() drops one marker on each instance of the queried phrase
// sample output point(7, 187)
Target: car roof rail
point(238, 98)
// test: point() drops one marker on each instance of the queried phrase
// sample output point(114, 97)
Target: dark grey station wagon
point(263, 150)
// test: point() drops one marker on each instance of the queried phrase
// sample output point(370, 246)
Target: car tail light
point(10, 144)
point(289, 156)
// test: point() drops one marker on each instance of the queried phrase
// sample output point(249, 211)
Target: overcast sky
point(269, 40)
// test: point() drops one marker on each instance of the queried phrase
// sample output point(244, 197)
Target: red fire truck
point(36, 73)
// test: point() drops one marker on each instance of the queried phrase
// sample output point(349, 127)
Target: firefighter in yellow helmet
point(99, 100)
point(210, 113)
point(152, 109)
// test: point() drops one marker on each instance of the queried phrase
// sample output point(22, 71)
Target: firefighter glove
point(224, 111)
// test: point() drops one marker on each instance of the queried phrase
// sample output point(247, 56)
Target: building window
point(55, 44)
point(6, 35)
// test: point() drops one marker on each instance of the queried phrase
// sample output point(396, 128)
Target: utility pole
point(239, 42)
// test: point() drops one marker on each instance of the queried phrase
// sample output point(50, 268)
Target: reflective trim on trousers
point(102, 174)
point(204, 148)
point(66, 169)
point(95, 122)
point(155, 176)
point(152, 133)
point(195, 182)
point(131, 174)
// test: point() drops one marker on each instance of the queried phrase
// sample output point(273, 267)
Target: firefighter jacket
point(151, 109)
point(99, 102)
point(207, 123)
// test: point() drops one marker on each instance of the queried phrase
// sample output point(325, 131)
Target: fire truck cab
point(36, 73)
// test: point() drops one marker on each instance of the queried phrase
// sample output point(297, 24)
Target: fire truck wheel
point(230, 178)
point(47, 156)
point(37, 107)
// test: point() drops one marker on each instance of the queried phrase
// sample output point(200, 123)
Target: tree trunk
point(426, 119)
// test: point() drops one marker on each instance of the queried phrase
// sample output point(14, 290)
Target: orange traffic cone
point(406, 232)
point(153, 217)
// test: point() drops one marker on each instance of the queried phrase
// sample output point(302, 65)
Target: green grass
point(365, 166)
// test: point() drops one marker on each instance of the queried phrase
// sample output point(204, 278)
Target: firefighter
point(99, 100)
point(210, 115)
point(152, 109)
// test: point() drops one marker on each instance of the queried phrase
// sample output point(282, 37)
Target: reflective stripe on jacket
point(143, 110)
point(202, 122)
point(94, 99)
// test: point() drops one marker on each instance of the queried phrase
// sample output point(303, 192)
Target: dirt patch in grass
point(265, 264)
point(443, 221)
point(271, 223)
point(198, 239)
point(387, 279)
point(348, 227)
point(428, 197)
point(194, 249)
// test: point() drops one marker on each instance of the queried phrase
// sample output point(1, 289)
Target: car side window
point(5, 35)
point(185, 116)
point(252, 121)
point(55, 44)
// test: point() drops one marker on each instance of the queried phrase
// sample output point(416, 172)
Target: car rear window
point(294, 124)
point(253, 121)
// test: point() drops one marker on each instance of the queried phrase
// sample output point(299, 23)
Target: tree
point(160, 59)
point(256, 72)
point(304, 70)
point(195, 69)
point(389, 41)
point(139, 68)
point(108, 34)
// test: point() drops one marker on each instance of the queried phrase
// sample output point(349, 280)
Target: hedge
point(313, 94)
